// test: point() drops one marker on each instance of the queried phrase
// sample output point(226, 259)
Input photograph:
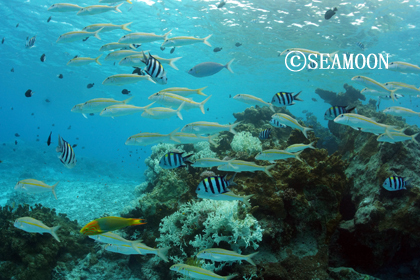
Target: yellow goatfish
point(291, 122)
point(198, 272)
point(397, 137)
point(98, 9)
point(116, 46)
point(185, 40)
point(139, 248)
point(118, 55)
point(299, 147)
point(106, 27)
point(81, 61)
point(150, 138)
point(96, 105)
point(113, 238)
point(245, 166)
point(162, 112)
point(404, 67)
point(29, 224)
point(372, 84)
point(171, 100)
point(209, 127)
point(119, 110)
point(125, 79)
point(141, 37)
point(252, 100)
point(272, 154)
point(113, 1)
point(64, 8)
point(401, 111)
point(32, 186)
point(402, 88)
point(77, 36)
point(183, 91)
point(222, 255)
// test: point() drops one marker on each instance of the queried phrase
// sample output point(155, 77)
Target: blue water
point(262, 27)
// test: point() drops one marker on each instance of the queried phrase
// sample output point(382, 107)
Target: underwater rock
point(341, 99)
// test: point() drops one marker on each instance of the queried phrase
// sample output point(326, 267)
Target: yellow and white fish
point(308, 52)
point(404, 67)
point(98, 9)
point(198, 272)
point(77, 36)
point(191, 138)
point(210, 162)
point(183, 91)
point(272, 154)
point(162, 112)
point(171, 100)
point(150, 138)
point(291, 122)
point(81, 61)
point(119, 110)
point(185, 40)
point(245, 166)
point(118, 55)
point(114, 1)
point(252, 100)
point(115, 46)
point(141, 37)
point(64, 8)
point(33, 186)
point(29, 224)
point(400, 111)
point(363, 123)
point(402, 88)
point(299, 147)
point(106, 27)
point(222, 255)
point(209, 127)
point(125, 79)
point(374, 92)
point(397, 137)
point(135, 60)
point(96, 105)
point(113, 238)
point(142, 248)
point(372, 84)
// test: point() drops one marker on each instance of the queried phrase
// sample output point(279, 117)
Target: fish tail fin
point(297, 155)
point(311, 145)
point(351, 109)
point(414, 138)
point(296, 97)
point(200, 91)
point(232, 128)
point(231, 276)
point(205, 40)
point(173, 137)
point(128, 100)
point(305, 131)
point(228, 65)
point(202, 104)
point(267, 168)
point(393, 94)
point(150, 79)
point(330, 56)
point(116, 8)
point(211, 139)
point(96, 33)
point(128, 1)
point(162, 253)
point(125, 26)
point(97, 59)
point(165, 36)
point(136, 222)
point(54, 232)
point(271, 106)
point(134, 246)
point(55, 185)
point(231, 182)
point(172, 63)
point(407, 182)
point(146, 109)
point(248, 258)
point(178, 111)
point(84, 115)
point(246, 198)
point(60, 145)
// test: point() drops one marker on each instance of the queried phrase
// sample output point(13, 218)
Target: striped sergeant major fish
point(30, 42)
point(335, 111)
point(173, 160)
point(154, 69)
point(67, 155)
point(285, 98)
point(214, 185)
point(276, 123)
point(396, 183)
point(265, 134)
point(360, 45)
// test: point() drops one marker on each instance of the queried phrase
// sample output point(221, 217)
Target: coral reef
point(246, 143)
point(347, 98)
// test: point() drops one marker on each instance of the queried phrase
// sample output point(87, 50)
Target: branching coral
point(245, 142)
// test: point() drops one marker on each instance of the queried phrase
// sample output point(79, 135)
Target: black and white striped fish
point(276, 123)
point(173, 160)
point(30, 42)
point(154, 69)
point(67, 155)
point(396, 96)
point(214, 185)
point(360, 45)
point(285, 98)
point(265, 134)
point(335, 111)
point(396, 183)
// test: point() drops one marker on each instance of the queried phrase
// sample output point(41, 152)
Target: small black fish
point(74, 146)
point(53, 124)
point(48, 20)
point(84, 40)
point(49, 139)
point(60, 76)
point(221, 4)
point(161, 48)
point(124, 91)
point(2, 41)
point(32, 114)
point(37, 140)
point(208, 109)
point(238, 44)
point(30, 42)
point(330, 13)
point(77, 138)
point(17, 134)
point(15, 142)
point(29, 93)
point(47, 100)
point(12, 70)
point(17, 25)
point(43, 57)
point(230, 95)
point(114, 63)
point(217, 49)
point(76, 56)
point(91, 114)
point(90, 85)
point(313, 99)
point(305, 111)
point(69, 127)
point(172, 50)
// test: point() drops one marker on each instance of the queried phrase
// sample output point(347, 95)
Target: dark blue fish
point(265, 134)
point(49, 139)
point(43, 58)
point(48, 20)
